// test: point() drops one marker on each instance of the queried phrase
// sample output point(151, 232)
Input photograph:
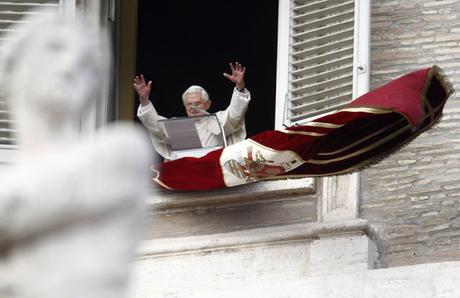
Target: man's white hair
point(196, 89)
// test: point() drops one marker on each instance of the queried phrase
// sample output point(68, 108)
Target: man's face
point(195, 100)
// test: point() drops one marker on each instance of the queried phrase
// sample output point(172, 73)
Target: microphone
point(195, 108)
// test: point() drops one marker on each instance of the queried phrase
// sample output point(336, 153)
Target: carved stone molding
point(339, 198)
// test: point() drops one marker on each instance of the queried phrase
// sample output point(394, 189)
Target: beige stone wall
point(258, 205)
point(412, 199)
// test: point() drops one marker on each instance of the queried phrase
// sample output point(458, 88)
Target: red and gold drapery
point(362, 133)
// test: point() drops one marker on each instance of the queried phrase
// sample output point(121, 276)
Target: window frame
point(361, 57)
point(339, 195)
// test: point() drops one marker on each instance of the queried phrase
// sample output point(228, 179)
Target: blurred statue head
point(52, 70)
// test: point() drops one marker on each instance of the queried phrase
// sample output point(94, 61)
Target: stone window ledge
point(165, 200)
point(252, 237)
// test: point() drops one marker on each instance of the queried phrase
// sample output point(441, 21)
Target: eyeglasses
point(193, 104)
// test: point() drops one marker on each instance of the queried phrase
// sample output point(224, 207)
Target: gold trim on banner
point(374, 158)
point(162, 184)
point(429, 107)
point(274, 150)
point(304, 133)
point(351, 145)
point(365, 162)
point(365, 149)
point(323, 124)
point(366, 110)
point(157, 180)
point(331, 125)
point(363, 139)
point(438, 73)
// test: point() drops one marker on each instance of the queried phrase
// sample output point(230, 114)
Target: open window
point(193, 43)
point(289, 76)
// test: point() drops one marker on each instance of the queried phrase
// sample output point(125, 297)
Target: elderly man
point(197, 103)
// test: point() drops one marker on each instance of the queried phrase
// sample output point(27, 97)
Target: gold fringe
point(442, 78)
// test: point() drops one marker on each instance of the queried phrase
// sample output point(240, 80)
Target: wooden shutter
point(322, 57)
point(13, 12)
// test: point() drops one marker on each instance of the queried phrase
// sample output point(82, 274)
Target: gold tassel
point(442, 78)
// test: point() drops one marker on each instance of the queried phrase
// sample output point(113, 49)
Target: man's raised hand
point(237, 75)
point(142, 88)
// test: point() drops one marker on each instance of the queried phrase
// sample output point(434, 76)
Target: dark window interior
point(181, 43)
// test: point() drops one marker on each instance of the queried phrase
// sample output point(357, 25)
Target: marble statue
point(71, 208)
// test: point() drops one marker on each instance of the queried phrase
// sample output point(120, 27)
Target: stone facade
point(412, 198)
point(270, 204)
point(291, 237)
point(285, 239)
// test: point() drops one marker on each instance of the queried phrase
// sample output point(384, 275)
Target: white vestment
point(232, 120)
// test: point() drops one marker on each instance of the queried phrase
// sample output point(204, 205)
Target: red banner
point(365, 131)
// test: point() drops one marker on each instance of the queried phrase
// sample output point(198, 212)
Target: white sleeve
point(238, 105)
point(149, 118)
point(144, 109)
